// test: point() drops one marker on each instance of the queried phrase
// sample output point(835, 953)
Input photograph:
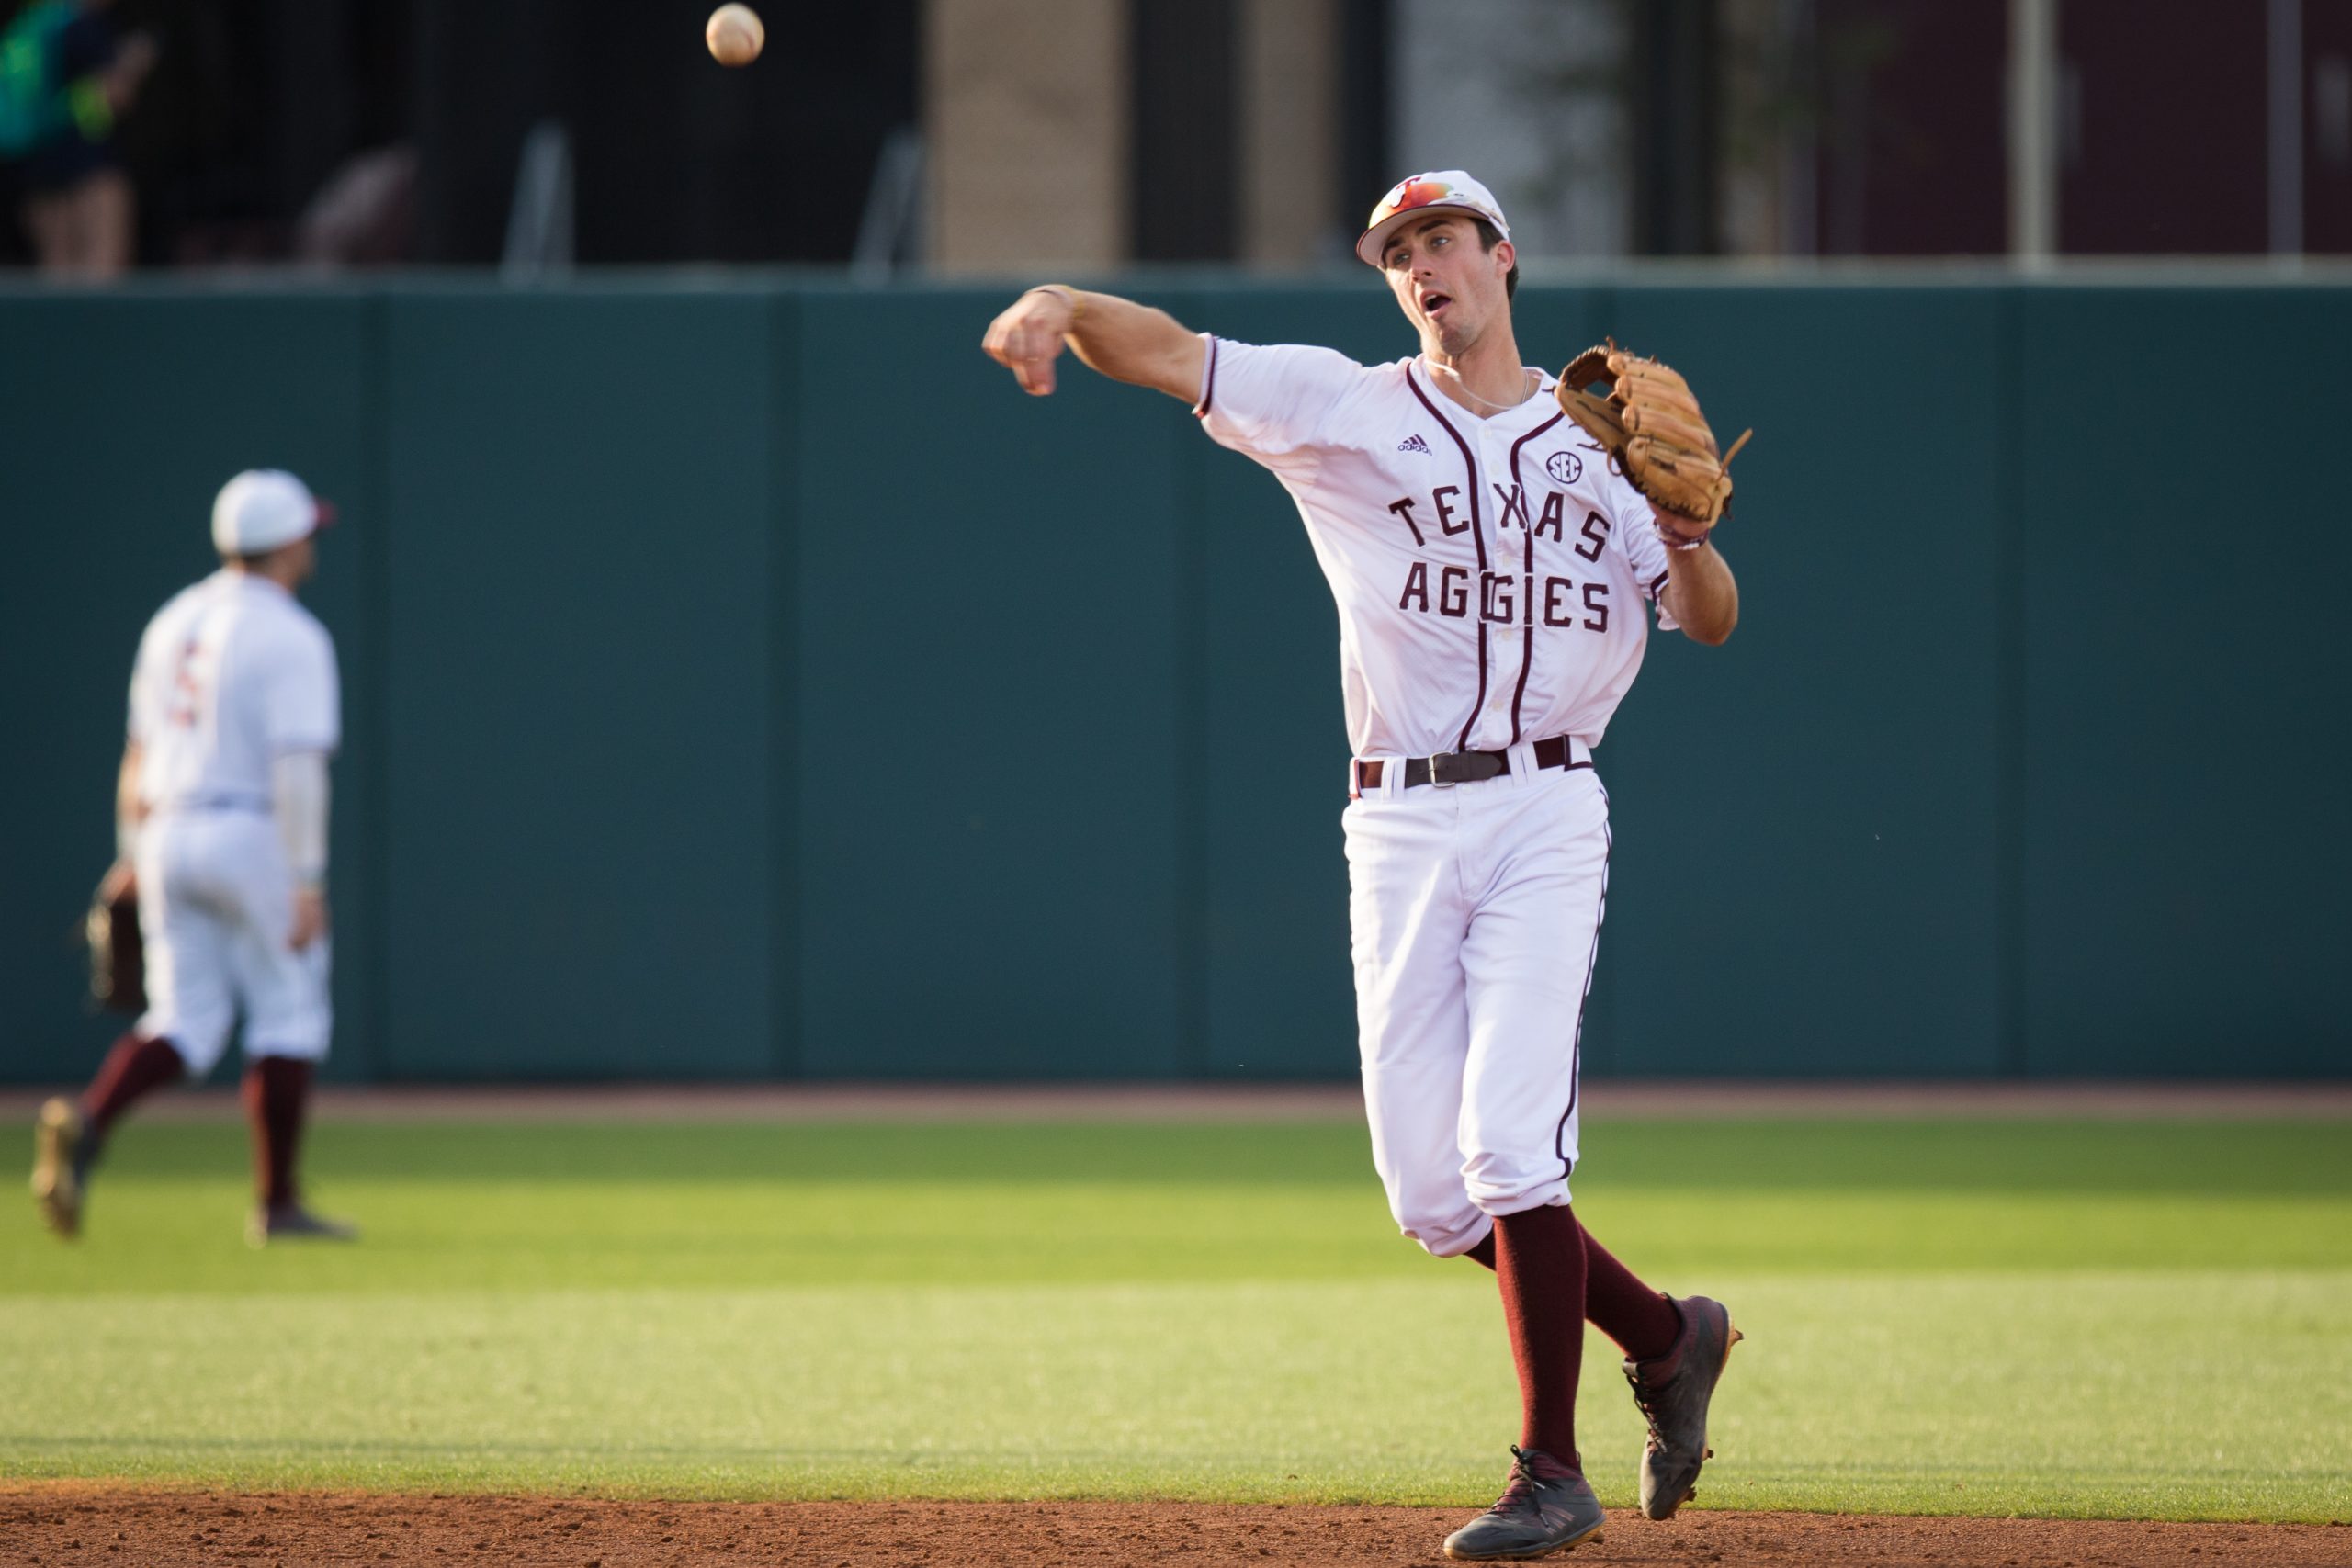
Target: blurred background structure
point(745, 681)
point(962, 136)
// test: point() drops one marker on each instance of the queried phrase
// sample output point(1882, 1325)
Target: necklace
point(1528, 384)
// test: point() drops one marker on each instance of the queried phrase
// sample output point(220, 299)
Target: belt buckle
point(1476, 767)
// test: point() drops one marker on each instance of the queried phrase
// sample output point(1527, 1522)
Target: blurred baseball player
point(1492, 568)
point(221, 820)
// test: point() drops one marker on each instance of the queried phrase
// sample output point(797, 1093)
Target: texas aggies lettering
point(1494, 579)
point(1506, 598)
point(1485, 599)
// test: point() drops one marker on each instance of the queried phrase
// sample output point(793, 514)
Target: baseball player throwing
point(221, 818)
point(1492, 565)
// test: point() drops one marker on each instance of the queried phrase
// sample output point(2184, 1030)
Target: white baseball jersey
point(1491, 576)
point(1490, 573)
point(230, 674)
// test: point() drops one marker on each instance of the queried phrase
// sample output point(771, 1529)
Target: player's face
point(1448, 286)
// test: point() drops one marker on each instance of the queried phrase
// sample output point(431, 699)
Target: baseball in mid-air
point(735, 34)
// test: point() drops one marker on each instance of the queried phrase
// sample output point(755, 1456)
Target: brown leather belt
point(1449, 768)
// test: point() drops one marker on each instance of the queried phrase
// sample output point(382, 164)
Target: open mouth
point(1433, 303)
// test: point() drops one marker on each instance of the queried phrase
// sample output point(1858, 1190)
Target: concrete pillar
point(2286, 128)
point(1025, 135)
point(1754, 199)
point(1528, 95)
point(2034, 131)
point(1290, 128)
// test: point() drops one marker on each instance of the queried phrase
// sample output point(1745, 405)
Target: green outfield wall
point(747, 681)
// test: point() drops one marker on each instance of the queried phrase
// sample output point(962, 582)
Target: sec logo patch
point(1565, 467)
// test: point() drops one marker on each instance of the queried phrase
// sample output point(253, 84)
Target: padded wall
point(747, 681)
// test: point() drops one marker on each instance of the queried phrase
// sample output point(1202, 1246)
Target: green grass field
point(2146, 1319)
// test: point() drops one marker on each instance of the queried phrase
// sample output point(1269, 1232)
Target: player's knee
point(1500, 1184)
point(295, 1020)
point(198, 1039)
point(296, 1045)
point(1443, 1228)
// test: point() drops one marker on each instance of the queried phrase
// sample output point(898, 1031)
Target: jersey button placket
point(1495, 456)
point(1494, 461)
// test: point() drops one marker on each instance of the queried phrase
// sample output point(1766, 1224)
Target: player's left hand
point(1675, 526)
point(1027, 337)
point(309, 918)
point(120, 882)
point(1651, 425)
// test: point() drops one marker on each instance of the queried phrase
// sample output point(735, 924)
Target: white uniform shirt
point(1490, 573)
point(232, 674)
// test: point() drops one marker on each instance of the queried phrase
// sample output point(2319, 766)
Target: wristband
point(1077, 300)
point(1678, 542)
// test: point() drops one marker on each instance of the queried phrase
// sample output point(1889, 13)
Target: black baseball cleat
point(291, 1222)
point(1546, 1508)
point(61, 1155)
point(1673, 1391)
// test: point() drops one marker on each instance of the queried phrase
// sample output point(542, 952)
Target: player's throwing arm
point(1123, 339)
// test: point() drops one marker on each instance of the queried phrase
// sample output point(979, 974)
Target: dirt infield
point(76, 1524)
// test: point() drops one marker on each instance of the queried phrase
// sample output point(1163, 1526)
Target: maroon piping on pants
point(1576, 1047)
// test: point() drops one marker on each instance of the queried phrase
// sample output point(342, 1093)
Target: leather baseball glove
point(117, 958)
point(1651, 426)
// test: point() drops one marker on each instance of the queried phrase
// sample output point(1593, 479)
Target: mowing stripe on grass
point(2121, 1321)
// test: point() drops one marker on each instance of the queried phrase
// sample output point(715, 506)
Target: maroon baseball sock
point(136, 1065)
point(1644, 1322)
point(276, 1089)
point(1538, 1257)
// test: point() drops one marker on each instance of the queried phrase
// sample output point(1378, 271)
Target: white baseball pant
point(216, 904)
point(1476, 914)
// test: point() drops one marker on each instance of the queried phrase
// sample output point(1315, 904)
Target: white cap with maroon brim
point(265, 509)
point(1411, 198)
